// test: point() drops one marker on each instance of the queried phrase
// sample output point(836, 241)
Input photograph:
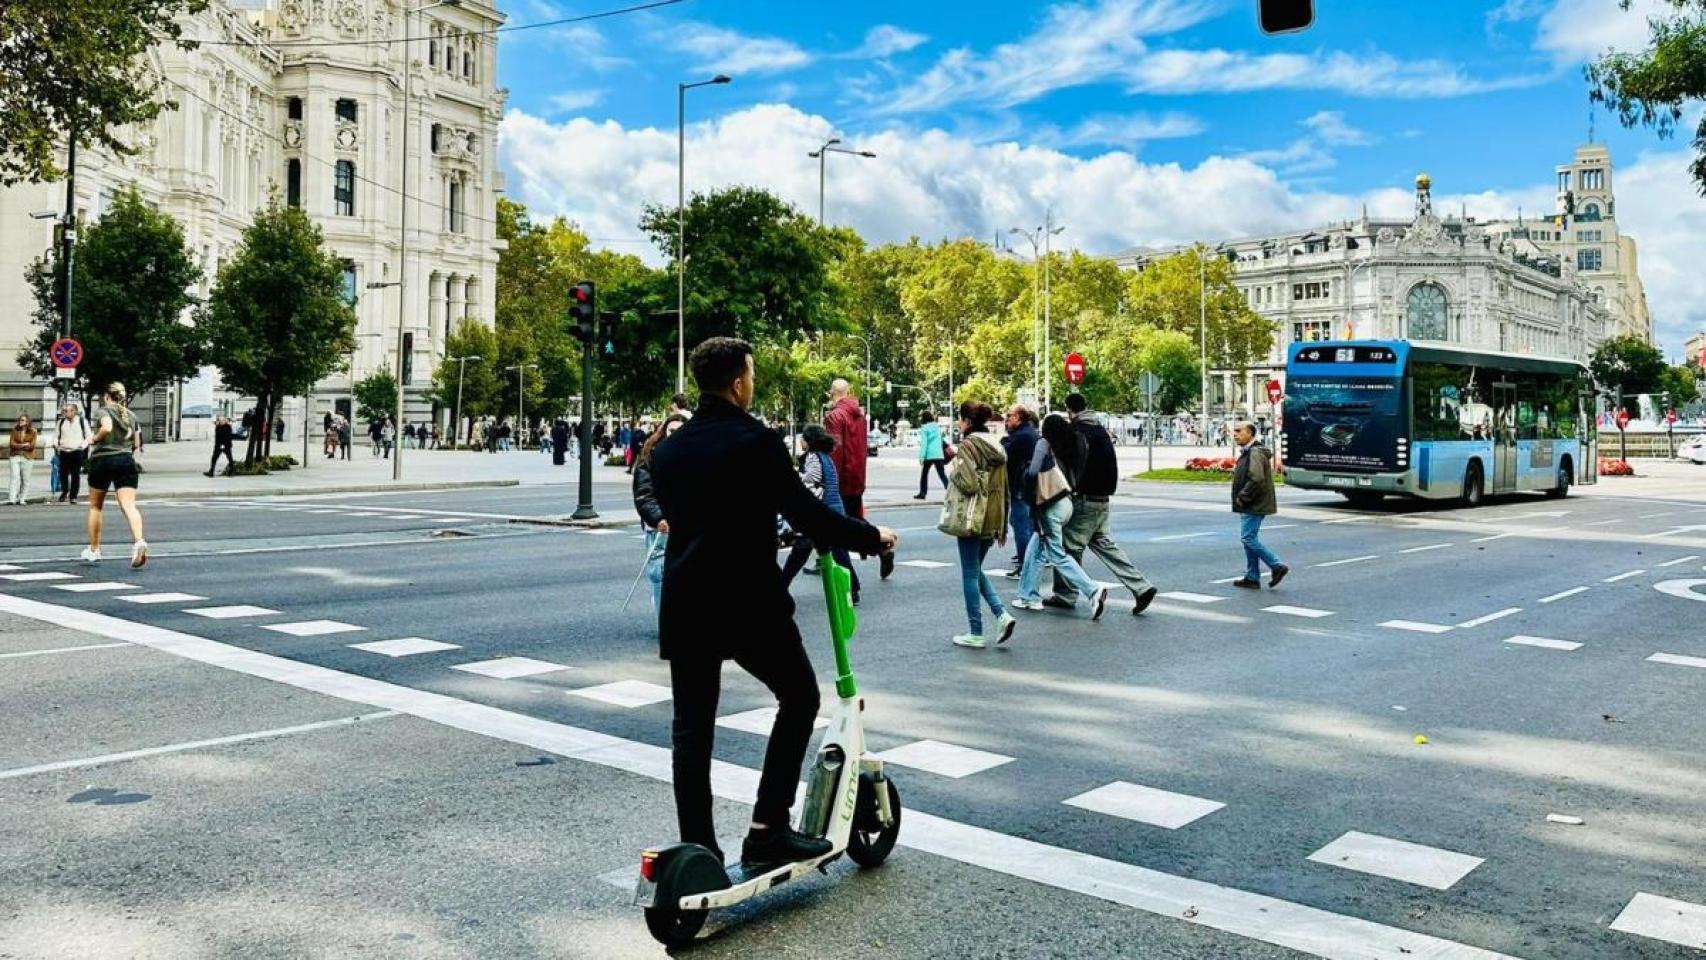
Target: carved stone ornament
point(293, 133)
point(293, 15)
point(1426, 235)
point(347, 17)
point(1337, 242)
point(348, 137)
point(1386, 237)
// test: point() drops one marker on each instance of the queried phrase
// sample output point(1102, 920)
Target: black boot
point(779, 845)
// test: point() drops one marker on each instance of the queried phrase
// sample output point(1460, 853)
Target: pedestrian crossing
point(349, 511)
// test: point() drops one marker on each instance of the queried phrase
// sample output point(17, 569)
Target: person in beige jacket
point(974, 512)
point(23, 451)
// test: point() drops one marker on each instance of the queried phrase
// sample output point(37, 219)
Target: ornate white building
point(1426, 279)
point(305, 97)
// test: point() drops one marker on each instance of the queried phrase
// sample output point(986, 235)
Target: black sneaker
point(885, 563)
point(1247, 584)
point(1277, 575)
point(1059, 603)
point(776, 846)
point(1143, 601)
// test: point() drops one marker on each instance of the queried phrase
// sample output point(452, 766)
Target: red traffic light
point(582, 292)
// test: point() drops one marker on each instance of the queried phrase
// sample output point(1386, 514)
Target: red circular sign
point(1622, 418)
point(1274, 391)
point(1670, 416)
point(1074, 368)
point(66, 352)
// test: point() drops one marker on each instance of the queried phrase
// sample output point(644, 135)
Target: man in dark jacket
point(721, 480)
point(1020, 442)
point(222, 434)
point(559, 442)
point(1253, 499)
point(1090, 525)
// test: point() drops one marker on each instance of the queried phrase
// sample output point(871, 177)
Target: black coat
point(721, 480)
point(1020, 444)
point(645, 500)
point(1099, 474)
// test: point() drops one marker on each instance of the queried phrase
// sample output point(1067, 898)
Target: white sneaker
point(971, 640)
point(91, 556)
point(1024, 604)
point(1098, 603)
point(139, 553)
point(1004, 625)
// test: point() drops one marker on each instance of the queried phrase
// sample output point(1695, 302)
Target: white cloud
point(1330, 126)
point(886, 40)
point(1309, 154)
point(570, 101)
point(1371, 75)
point(1575, 30)
point(934, 184)
point(721, 50)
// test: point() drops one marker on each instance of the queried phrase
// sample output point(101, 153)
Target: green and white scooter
point(849, 801)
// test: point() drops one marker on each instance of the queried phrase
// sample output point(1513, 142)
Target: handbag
point(1052, 485)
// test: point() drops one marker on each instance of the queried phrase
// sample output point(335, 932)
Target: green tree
point(1193, 292)
point(376, 396)
point(959, 288)
point(1631, 363)
point(1118, 361)
point(1682, 384)
point(79, 65)
point(277, 320)
point(475, 383)
point(1655, 87)
point(130, 294)
point(873, 280)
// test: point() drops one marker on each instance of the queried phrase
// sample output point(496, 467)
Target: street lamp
point(456, 417)
point(403, 214)
point(521, 394)
point(820, 154)
point(681, 225)
point(1036, 301)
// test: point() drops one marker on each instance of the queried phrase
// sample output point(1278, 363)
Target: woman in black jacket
point(646, 504)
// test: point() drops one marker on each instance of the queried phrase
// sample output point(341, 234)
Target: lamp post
point(520, 394)
point(456, 417)
point(820, 155)
point(1202, 339)
point(681, 226)
point(1036, 302)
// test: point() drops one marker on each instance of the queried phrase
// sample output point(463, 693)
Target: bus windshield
point(1343, 422)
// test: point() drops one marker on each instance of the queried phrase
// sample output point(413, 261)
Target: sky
point(1137, 122)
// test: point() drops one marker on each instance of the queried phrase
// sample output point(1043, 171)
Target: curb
point(603, 523)
point(351, 488)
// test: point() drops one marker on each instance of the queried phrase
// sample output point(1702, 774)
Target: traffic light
point(583, 311)
point(608, 330)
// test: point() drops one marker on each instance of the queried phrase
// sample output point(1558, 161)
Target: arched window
point(1425, 313)
point(1590, 211)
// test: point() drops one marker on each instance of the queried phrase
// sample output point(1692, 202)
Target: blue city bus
point(1372, 418)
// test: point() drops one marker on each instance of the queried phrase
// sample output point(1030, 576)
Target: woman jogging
point(72, 436)
point(974, 512)
point(931, 453)
point(646, 504)
point(112, 467)
point(821, 479)
point(1049, 482)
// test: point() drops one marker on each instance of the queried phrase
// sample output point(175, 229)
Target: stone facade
point(1427, 279)
point(305, 98)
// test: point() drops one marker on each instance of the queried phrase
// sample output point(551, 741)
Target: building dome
point(1424, 182)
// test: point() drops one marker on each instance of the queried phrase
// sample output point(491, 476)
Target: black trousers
point(218, 450)
point(803, 551)
point(924, 476)
point(71, 473)
point(781, 664)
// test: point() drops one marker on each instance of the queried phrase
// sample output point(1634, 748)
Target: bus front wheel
point(1474, 490)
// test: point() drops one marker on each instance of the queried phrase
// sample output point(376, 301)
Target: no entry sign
point(1074, 368)
point(1274, 391)
point(66, 352)
point(1622, 418)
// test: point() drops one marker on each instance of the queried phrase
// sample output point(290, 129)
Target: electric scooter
point(849, 801)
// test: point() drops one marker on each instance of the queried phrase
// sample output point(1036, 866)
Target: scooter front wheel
point(870, 843)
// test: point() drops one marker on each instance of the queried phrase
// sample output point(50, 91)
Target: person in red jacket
point(847, 424)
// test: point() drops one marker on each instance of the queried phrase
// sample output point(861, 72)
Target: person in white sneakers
point(112, 467)
point(974, 513)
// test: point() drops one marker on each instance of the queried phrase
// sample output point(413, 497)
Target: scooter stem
point(843, 621)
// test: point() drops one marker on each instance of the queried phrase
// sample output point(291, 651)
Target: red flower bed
point(1612, 467)
point(1211, 463)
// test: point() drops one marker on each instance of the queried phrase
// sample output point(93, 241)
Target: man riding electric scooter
point(721, 481)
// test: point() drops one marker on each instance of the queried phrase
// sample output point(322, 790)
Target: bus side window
point(1527, 426)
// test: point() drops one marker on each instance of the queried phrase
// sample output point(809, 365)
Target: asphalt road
point(1233, 774)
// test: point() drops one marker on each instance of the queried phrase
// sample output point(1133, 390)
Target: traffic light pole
point(584, 510)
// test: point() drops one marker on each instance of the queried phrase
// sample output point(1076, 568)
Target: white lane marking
point(232, 612)
point(364, 514)
point(1496, 536)
point(1189, 597)
point(1540, 513)
point(38, 577)
point(1431, 546)
point(43, 653)
point(9, 567)
point(1133, 801)
point(1564, 819)
point(1623, 576)
point(1489, 618)
point(1677, 660)
point(1679, 560)
point(1196, 613)
point(1416, 627)
point(192, 745)
point(624, 693)
point(347, 578)
point(1661, 918)
point(313, 628)
point(1265, 576)
point(1278, 526)
point(162, 598)
point(1681, 588)
point(97, 587)
point(1549, 644)
point(1397, 860)
point(1340, 563)
point(943, 759)
point(1291, 611)
point(1184, 536)
point(1655, 516)
point(923, 564)
point(509, 668)
point(1259, 917)
point(1564, 593)
point(758, 721)
point(1345, 520)
point(605, 532)
point(1604, 523)
point(404, 646)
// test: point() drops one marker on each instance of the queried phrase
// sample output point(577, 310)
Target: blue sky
point(1139, 121)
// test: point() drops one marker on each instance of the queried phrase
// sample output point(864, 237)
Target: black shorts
point(115, 471)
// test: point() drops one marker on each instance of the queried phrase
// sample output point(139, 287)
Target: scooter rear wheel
point(674, 927)
point(870, 842)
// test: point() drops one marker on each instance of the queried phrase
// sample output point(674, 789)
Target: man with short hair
point(1253, 500)
point(1090, 525)
point(678, 405)
point(847, 424)
point(721, 480)
point(1020, 442)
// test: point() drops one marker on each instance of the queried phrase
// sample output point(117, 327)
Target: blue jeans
point(655, 544)
point(975, 583)
point(1047, 548)
point(1255, 554)
point(1019, 518)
